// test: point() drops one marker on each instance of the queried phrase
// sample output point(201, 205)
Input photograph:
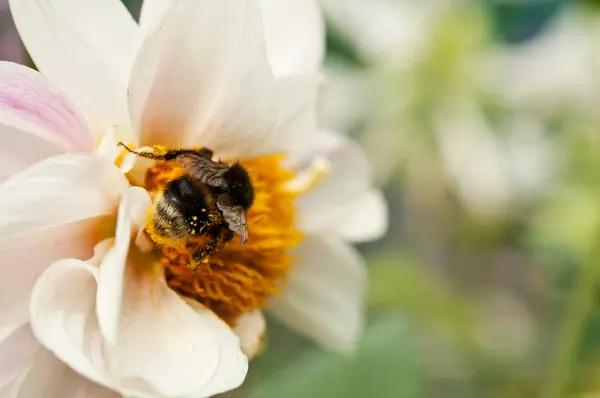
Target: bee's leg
point(170, 154)
point(219, 235)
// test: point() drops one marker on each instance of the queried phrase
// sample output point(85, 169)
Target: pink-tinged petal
point(16, 349)
point(251, 328)
point(86, 48)
point(222, 96)
point(295, 35)
point(30, 103)
point(46, 376)
point(323, 299)
point(37, 121)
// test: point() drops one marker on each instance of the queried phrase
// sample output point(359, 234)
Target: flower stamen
point(309, 178)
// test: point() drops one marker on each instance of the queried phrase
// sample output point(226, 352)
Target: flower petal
point(36, 119)
point(363, 219)
point(231, 371)
point(46, 376)
point(296, 117)
point(132, 215)
point(324, 296)
point(169, 346)
point(344, 203)
point(16, 349)
point(64, 320)
point(58, 208)
point(26, 256)
point(222, 96)
point(70, 43)
point(250, 328)
point(152, 334)
point(59, 190)
point(152, 12)
point(295, 35)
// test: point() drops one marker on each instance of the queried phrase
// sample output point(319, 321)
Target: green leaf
point(385, 365)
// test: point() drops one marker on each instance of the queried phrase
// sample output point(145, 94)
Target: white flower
point(80, 294)
point(515, 160)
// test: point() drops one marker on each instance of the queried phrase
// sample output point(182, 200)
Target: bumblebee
point(210, 200)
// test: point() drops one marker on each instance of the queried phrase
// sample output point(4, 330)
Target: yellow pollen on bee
point(238, 277)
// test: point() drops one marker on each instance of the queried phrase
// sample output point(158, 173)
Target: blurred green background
point(481, 119)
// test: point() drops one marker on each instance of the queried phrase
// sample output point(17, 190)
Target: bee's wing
point(234, 216)
point(202, 168)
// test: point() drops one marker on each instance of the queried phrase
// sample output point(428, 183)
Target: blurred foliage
point(386, 361)
point(518, 21)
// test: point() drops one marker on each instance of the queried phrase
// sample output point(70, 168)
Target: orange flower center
point(238, 277)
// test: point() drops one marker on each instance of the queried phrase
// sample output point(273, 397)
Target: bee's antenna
point(148, 155)
point(126, 147)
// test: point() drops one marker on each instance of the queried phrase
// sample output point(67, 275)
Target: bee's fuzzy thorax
point(240, 185)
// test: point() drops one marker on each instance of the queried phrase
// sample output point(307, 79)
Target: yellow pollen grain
point(238, 278)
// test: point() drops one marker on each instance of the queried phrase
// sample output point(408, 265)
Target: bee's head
point(239, 186)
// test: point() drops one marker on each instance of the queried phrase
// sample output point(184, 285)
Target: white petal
point(58, 208)
point(63, 317)
point(344, 203)
point(26, 256)
point(250, 328)
point(36, 120)
point(363, 219)
point(19, 150)
point(15, 350)
point(167, 345)
point(152, 12)
point(296, 120)
point(59, 190)
point(86, 48)
point(189, 89)
point(324, 296)
point(152, 334)
point(132, 215)
point(295, 35)
point(46, 376)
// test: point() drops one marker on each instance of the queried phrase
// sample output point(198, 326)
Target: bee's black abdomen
point(190, 199)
